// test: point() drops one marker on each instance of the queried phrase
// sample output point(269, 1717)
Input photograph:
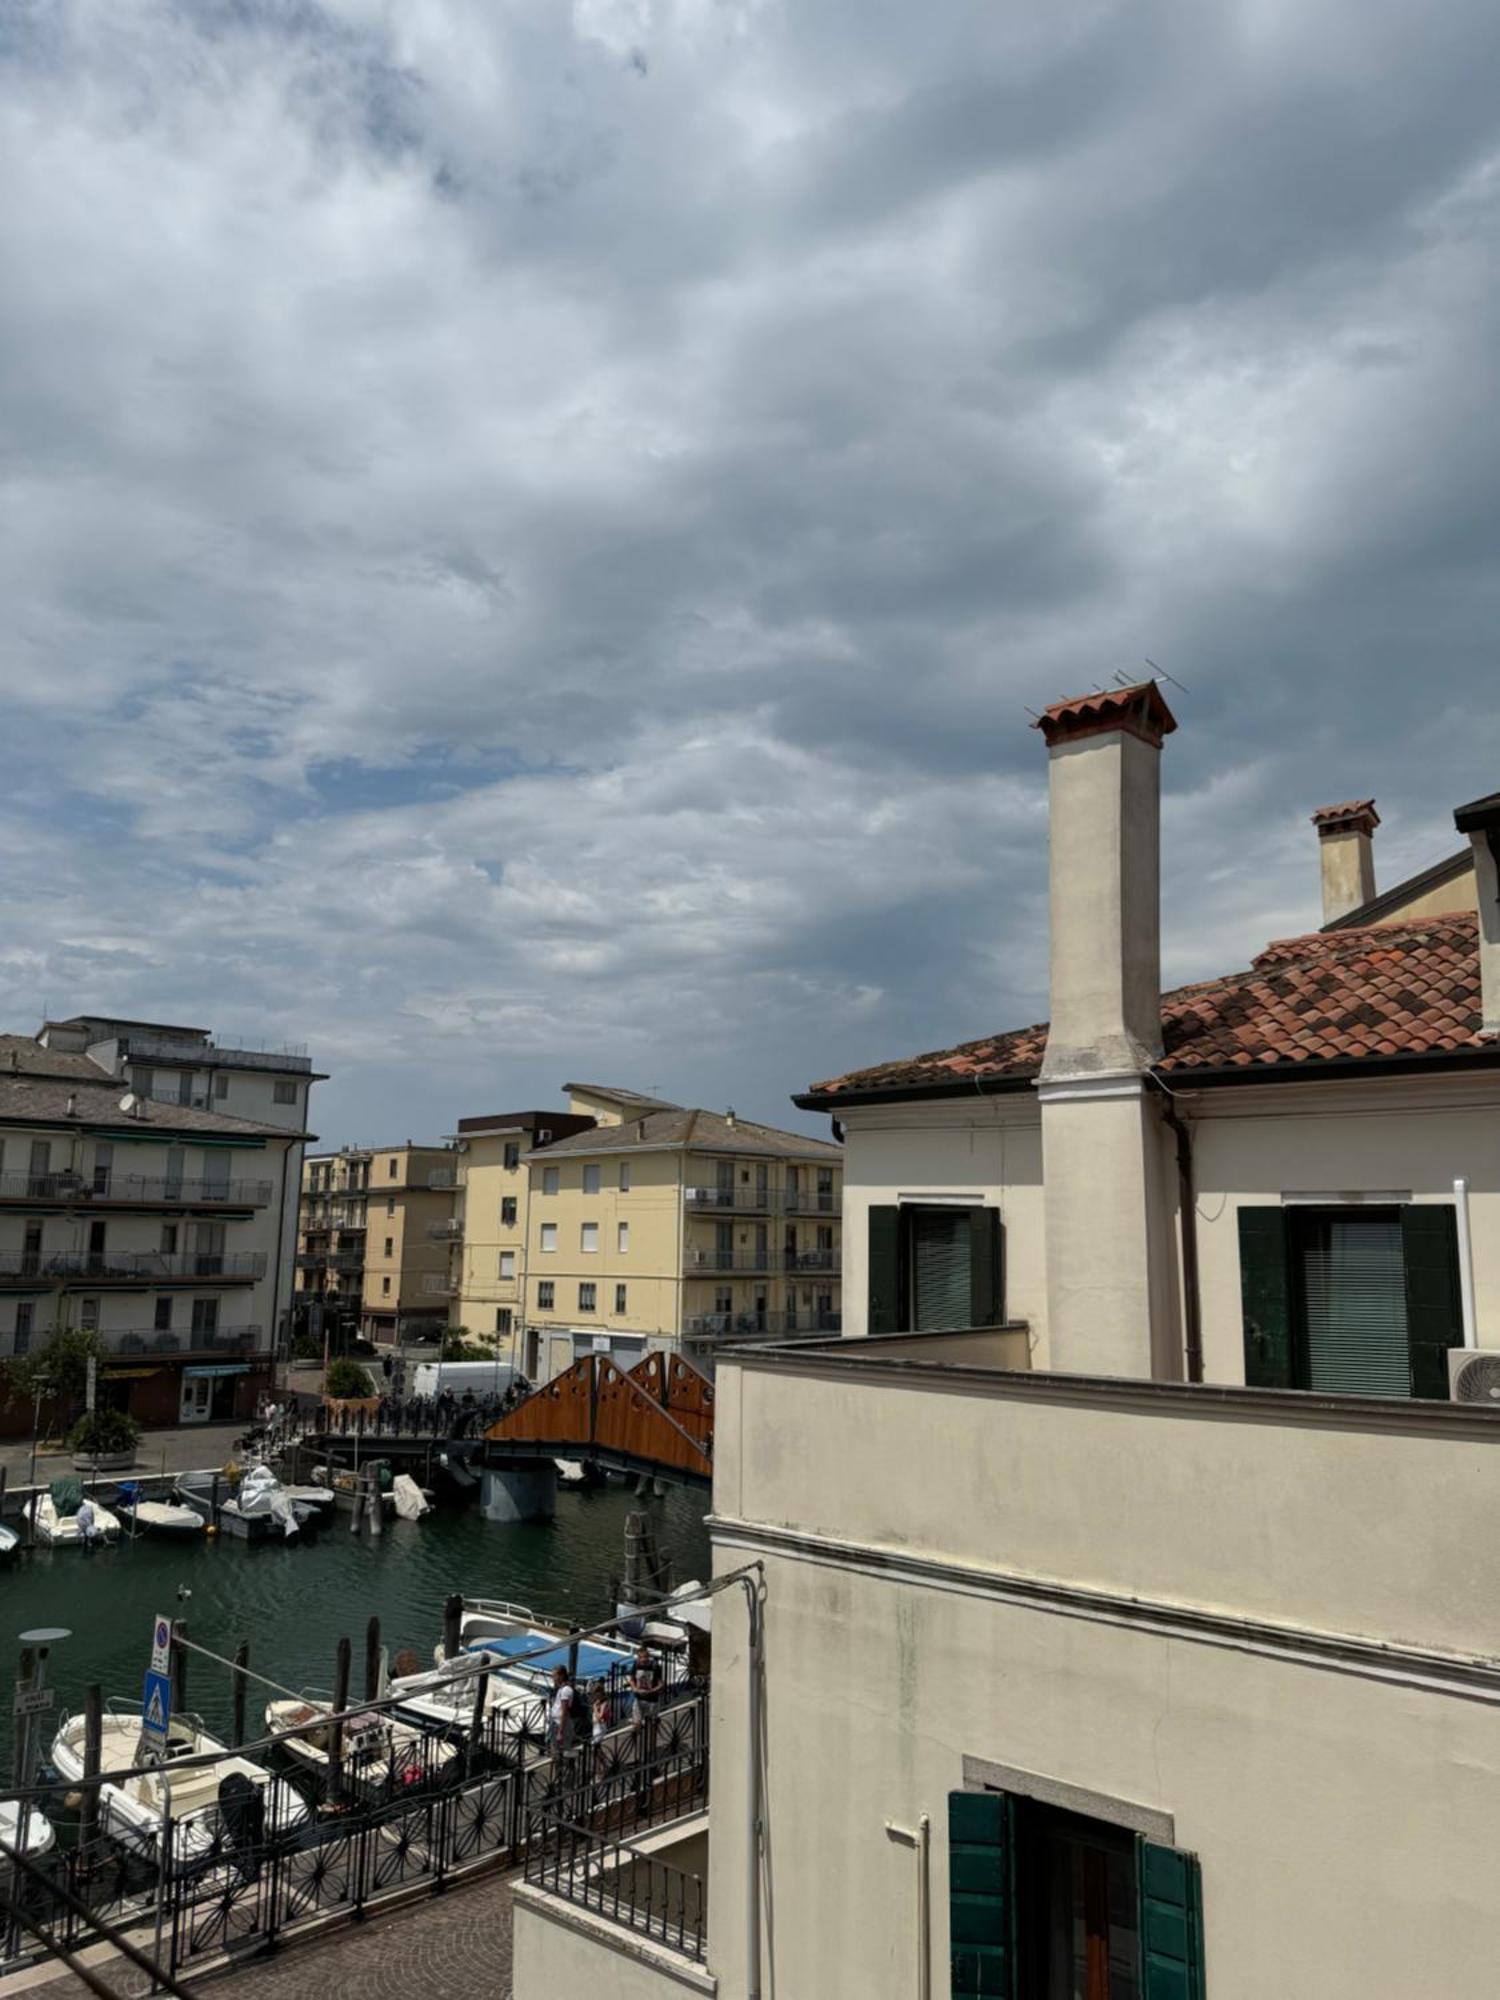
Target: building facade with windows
point(148, 1191)
point(376, 1228)
point(491, 1214)
point(1124, 1589)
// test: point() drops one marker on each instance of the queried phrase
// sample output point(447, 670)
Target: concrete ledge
point(671, 1968)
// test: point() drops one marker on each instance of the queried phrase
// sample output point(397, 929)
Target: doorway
point(197, 1399)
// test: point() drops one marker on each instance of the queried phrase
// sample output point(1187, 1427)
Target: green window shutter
point(986, 1268)
point(1170, 1918)
point(1264, 1298)
point(981, 1895)
point(883, 1227)
point(1434, 1303)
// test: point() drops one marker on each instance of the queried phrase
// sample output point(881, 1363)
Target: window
point(1044, 1901)
point(588, 1238)
point(620, 1298)
point(502, 1319)
point(549, 1237)
point(143, 1079)
point(550, 1180)
point(169, 1239)
point(390, 1246)
point(586, 1296)
point(205, 1315)
point(221, 1083)
point(25, 1325)
point(98, 1231)
point(934, 1269)
point(163, 1320)
point(88, 1315)
point(544, 1292)
point(622, 1238)
point(1351, 1301)
point(508, 1212)
point(284, 1091)
point(507, 1263)
point(184, 1086)
point(591, 1180)
point(723, 1298)
point(41, 1165)
point(385, 1288)
point(104, 1156)
point(390, 1204)
point(512, 1155)
point(624, 1176)
point(392, 1168)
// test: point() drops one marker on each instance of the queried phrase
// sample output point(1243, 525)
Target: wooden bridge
point(658, 1418)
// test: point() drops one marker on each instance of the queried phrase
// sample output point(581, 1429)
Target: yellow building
point(375, 1230)
point(488, 1253)
point(664, 1227)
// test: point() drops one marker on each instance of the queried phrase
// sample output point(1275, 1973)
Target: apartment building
point(664, 1227)
point(148, 1191)
point(376, 1225)
point(492, 1211)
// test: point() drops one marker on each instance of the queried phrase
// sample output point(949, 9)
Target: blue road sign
point(156, 1706)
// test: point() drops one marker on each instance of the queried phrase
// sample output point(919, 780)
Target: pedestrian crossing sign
point(156, 1706)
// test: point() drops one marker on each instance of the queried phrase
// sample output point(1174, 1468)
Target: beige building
point(488, 1254)
point(148, 1192)
point(376, 1226)
point(1126, 1589)
point(663, 1227)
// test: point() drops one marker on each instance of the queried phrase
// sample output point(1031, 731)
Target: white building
point(1128, 1590)
point(148, 1189)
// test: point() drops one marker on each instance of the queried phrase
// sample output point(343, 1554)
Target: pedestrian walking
point(561, 1718)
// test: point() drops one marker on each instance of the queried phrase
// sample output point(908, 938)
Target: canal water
point(294, 1601)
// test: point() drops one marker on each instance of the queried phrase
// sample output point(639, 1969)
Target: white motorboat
point(130, 1808)
point(259, 1509)
point(159, 1517)
point(36, 1839)
point(441, 1701)
point(380, 1752)
point(10, 1541)
point(60, 1530)
point(321, 1499)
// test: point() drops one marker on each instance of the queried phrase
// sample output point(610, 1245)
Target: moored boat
point(31, 1839)
point(131, 1807)
point(259, 1509)
point(380, 1753)
point(55, 1515)
point(158, 1517)
point(10, 1541)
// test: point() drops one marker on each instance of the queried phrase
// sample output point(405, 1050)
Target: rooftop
point(45, 1100)
point(677, 1129)
point(1384, 994)
point(635, 1099)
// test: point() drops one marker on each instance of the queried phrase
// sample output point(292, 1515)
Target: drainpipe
point(1187, 1203)
point(755, 1826)
point(1465, 1260)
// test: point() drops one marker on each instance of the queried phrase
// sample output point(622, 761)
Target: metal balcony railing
point(811, 1260)
point(714, 1259)
point(814, 1201)
point(98, 1189)
point(184, 1340)
point(330, 1260)
point(439, 1285)
point(759, 1326)
point(745, 1199)
point(449, 1231)
point(128, 1266)
point(443, 1177)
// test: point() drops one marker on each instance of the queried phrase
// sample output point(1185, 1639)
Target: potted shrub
point(104, 1441)
point(346, 1380)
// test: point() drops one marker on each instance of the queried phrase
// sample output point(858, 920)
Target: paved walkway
point(454, 1944)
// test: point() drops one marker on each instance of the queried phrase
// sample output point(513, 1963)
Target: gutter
point(1187, 1206)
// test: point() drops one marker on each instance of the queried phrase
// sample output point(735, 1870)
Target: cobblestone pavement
point(456, 1943)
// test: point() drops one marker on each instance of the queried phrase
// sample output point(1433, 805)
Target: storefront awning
point(221, 1368)
point(129, 1374)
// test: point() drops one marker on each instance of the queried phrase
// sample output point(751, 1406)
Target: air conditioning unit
point(1474, 1375)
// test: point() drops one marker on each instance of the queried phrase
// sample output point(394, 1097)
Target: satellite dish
point(129, 1101)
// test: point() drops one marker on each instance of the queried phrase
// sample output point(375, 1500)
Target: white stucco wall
point(1344, 1803)
point(561, 1952)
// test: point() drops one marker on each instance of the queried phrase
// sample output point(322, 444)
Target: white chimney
point(1481, 822)
point(1105, 1172)
point(1346, 836)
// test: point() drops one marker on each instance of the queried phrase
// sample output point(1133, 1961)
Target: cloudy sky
point(528, 532)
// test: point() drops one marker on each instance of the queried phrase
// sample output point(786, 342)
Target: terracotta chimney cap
point(1140, 711)
point(1353, 816)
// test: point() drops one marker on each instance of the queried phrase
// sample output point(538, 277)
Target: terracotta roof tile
point(1392, 990)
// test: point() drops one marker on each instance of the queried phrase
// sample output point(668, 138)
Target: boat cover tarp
point(594, 1662)
point(67, 1497)
point(408, 1497)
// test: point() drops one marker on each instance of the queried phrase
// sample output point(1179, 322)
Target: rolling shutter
point(1434, 1304)
point(883, 1236)
point(1354, 1296)
point(1264, 1299)
point(940, 1265)
point(1169, 1887)
point(986, 1268)
point(981, 1895)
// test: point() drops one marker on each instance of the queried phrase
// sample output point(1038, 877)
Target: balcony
point(814, 1201)
point(449, 1231)
point(746, 1200)
point(441, 1179)
point(130, 1190)
point(228, 1340)
point(330, 1260)
point(759, 1326)
point(440, 1285)
point(129, 1267)
point(715, 1259)
point(811, 1261)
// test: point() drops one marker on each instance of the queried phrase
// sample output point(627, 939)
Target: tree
point(57, 1372)
point(345, 1378)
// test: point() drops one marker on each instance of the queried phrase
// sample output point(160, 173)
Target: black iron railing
point(127, 1266)
point(101, 1188)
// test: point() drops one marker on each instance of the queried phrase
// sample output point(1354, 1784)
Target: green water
point(294, 1602)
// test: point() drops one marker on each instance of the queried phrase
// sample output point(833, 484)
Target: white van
point(484, 1378)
